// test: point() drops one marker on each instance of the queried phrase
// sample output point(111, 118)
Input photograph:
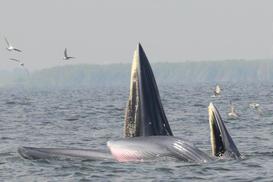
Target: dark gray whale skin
point(147, 131)
point(144, 114)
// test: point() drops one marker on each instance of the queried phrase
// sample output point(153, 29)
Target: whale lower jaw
point(222, 144)
point(52, 153)
point(124, 150)
point(152, 147)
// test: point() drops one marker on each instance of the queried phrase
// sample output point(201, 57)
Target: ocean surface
point(88, 118)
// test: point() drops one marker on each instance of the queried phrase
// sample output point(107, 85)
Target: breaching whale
point(147, 133)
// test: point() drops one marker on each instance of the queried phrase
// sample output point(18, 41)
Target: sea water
point(89, 117)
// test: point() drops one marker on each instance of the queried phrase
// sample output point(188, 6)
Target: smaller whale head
point(221, 141)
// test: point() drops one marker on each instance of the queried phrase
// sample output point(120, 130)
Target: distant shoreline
point(84, 75)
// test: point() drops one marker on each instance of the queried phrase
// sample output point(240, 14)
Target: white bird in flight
point(16, 60)
point(10, 47)
point(66, 57)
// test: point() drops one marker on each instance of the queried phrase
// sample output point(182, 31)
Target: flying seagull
point(16, 60)
point(66, 57)
point(10, 47)
point(20, 63)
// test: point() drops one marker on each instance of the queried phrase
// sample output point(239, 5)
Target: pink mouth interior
point(125, 155)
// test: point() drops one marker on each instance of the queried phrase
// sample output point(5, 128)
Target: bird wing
point(16, 60)
point(18, 50)
point(65, 52)
point(7, 41)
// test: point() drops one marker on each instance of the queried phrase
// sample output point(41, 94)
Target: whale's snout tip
point(211, 105)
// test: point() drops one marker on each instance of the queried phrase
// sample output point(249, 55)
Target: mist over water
point(88, 118)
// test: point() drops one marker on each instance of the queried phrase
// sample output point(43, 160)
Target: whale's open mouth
point(221, 141)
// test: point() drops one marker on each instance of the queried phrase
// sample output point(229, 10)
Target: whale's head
point(221, 141)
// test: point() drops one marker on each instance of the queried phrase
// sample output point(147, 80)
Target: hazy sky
point(104, 31)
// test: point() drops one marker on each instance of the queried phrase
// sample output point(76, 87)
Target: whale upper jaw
point(144, 114)
point(221, 141)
